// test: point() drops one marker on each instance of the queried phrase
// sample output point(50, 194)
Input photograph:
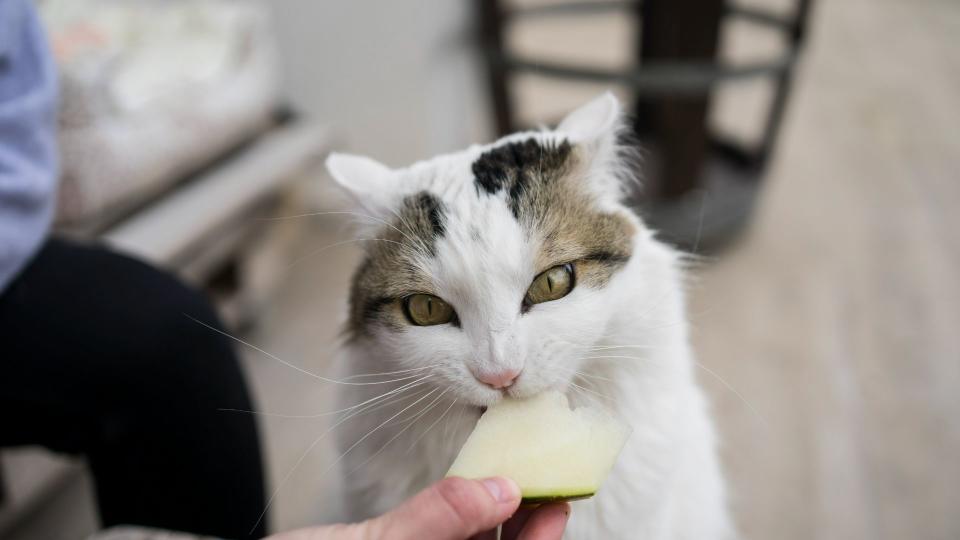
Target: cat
point(505, 270)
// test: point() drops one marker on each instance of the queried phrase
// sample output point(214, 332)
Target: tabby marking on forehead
point(514, 166)
point(425, 214)
point(545, 186)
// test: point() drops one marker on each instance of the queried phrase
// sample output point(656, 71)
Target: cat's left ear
point(597, 120)
point(595, 128)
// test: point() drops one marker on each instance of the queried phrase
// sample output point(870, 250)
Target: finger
point(486, 535)
point(452, 509)
point(546, 523)
point(328, 532)
point(513, 526)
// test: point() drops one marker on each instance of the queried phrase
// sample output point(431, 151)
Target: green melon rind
point(543, 499)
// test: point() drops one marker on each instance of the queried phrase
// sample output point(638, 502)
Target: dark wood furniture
point(675, 73)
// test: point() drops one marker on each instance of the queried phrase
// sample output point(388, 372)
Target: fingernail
point(502, 489)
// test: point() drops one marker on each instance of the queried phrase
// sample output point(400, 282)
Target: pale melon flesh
point(552, 452)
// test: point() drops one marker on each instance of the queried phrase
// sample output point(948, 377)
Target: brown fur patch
point(545, 191)
point(515, 166)
point(558, 208)
point(389, 271)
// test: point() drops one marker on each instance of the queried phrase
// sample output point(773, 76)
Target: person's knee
point(196, 342)
point(174, 338)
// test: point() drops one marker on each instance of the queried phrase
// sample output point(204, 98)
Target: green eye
point(552, 284)
point(427, 310)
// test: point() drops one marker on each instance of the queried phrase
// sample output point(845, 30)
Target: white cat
point(506, 270)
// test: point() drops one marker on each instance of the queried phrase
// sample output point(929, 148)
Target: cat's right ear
point(368, 182)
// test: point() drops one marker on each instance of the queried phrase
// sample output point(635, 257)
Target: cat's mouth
point(483, 409)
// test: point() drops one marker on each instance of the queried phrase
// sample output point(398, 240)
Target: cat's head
point(494, 268)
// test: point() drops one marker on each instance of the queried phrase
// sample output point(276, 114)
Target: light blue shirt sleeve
point(28, 136)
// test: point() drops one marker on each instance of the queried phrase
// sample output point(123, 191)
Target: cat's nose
point(499, 380)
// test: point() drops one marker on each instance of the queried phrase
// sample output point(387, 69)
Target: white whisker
point(307, 452)
point(419, 244)
point(406, 386)
point(736, 393)
point(288, 364)
point(435, 422)
point(422, 411)
point(426, 409)
point(598, 394)
point(455, 422)
point(613, 356)
point(399, 371)
point(708, 370)
point(336, 244)
point(374, 430)
point(608, 347)
point(356, 214)
point(591, 376)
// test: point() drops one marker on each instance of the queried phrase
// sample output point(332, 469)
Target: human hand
point(453, 509)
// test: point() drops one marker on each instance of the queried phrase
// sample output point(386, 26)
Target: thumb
point(451, 509)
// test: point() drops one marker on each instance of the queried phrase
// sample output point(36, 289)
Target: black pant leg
point(100, 357)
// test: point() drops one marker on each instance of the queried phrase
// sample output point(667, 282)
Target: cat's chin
point(525, 393)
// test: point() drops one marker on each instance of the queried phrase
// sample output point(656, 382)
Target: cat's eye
point(552, 284)
point(427, 310)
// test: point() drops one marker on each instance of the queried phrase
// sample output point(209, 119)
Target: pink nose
point(499, 379)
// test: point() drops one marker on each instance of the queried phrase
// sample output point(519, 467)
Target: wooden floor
point(837, 319)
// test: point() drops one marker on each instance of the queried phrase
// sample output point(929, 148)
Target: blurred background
point(808, 151)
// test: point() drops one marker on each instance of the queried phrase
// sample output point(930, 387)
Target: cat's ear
point(369, 183)
point(596, 128)
point(598, 119)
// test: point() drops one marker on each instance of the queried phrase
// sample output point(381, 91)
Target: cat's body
point(474, 229)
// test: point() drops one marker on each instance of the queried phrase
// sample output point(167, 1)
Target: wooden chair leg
point(491, 43)
point(783, 85)
point(678, 30)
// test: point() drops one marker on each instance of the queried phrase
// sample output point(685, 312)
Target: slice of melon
point(552, 452)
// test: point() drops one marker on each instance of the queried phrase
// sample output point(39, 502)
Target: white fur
point(667, 482)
